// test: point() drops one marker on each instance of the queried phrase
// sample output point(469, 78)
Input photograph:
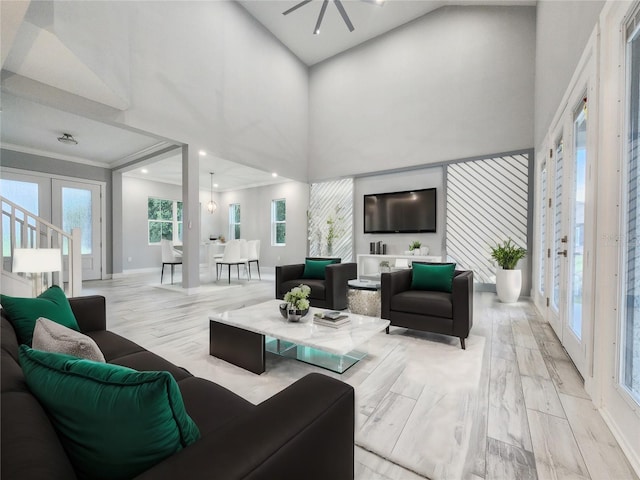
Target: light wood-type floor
point(535, 420)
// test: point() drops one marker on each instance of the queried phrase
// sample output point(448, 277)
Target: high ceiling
point(370, 19)
point(32, 127)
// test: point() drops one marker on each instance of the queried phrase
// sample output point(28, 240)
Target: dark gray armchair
point(329, 293)
point(429, 311)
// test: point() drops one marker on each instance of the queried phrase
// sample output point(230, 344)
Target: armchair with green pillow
point(123, 412)
point(327, 278)
point(431, 297)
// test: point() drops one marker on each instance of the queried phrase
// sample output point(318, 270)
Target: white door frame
point(584, 82)
point(11, 173)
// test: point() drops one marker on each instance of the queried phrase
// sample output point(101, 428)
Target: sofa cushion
point(8, 339)
point(23, 312)
point(113, 345)
point(317, 287)
point(50, 336)
point(315, 269)
point(113, 422)
point(420, 302)
point(210, 405)
point(11, 376)
point(437, 278)
point(147, 361)
point(30, 446)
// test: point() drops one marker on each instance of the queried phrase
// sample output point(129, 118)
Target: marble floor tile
point(384, 426)
point(557, 455)
point(531, 363)
point(506, 461)
point(566, 378)
point(601, 452)
point(507, 418)
point(540, 394)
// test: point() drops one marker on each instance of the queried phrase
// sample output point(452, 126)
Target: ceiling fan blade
point(319, 22)
point(343, 14)
point(296, 6)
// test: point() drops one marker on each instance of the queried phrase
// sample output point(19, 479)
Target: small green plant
point(415, 245)
point(297, 297)
point(508, 254)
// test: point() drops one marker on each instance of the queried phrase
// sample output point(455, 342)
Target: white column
point(191, 218)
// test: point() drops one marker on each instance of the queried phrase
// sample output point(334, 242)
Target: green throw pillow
point(113, 422)
point(437, 278)
point(23, 312)
point(316, 268)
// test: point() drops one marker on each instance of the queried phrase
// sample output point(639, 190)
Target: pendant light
point(212, 206)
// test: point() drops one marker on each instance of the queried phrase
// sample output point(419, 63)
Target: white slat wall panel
point(487, 202)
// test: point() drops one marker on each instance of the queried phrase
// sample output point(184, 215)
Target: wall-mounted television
point(413, 211)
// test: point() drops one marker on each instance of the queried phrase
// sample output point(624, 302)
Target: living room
point(455, 85)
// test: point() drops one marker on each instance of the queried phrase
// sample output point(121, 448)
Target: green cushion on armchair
point(437, 278)
point(316, 268)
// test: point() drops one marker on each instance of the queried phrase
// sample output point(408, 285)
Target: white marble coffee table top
point(264, 318)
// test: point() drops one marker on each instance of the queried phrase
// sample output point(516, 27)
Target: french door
point(79, 205)
point(569, 228)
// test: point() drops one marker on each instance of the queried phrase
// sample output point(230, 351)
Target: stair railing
point(20, 228)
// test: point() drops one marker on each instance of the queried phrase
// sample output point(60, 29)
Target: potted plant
point(414, 247)
point(297, 303)
point(508, 279)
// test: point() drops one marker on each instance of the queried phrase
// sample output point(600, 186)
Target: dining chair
point(254, 256)
point(170, 256)
point(231, 257)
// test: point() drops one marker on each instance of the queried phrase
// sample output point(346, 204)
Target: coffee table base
point(313, 356)
point(237, 346)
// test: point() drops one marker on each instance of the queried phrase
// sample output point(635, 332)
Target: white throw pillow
point(50, 336)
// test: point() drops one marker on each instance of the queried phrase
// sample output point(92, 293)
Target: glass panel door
point(78, 205)
point(542, 252)
point(558, 240)
point(630, 319)
point(577, 219)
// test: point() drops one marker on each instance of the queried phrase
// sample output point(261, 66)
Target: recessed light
point(144, 170)
point(274, 174)
point(203, 153)
point(215, 185)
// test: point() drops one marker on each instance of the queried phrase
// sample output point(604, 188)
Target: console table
point(369, 264)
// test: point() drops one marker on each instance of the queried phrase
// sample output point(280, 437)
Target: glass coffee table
point(242, 337)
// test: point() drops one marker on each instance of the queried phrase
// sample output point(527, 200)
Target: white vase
point(424, 251)
point(508, 285)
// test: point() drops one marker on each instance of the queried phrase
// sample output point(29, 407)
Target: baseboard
point(631, 455)
point(135, 271)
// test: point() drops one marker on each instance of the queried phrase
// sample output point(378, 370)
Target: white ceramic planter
point(508, 285)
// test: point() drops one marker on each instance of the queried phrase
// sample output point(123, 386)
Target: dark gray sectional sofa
point(305, 431)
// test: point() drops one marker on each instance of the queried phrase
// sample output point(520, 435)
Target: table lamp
point(37, 260)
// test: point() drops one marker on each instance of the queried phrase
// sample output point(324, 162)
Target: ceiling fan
point(325, 3)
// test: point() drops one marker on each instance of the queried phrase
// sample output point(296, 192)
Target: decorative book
point(331, 319)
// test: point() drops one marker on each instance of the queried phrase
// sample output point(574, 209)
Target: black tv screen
point(400, 212)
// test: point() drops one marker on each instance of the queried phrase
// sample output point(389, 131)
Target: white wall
point(397, 243)
point(562, 31)
point(200, 73)
point(255, 219)
point(456, 83)
point(136, 193)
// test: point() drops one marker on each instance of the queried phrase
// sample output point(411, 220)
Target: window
point(278, 222)
point(630, 354)
point(234, 221)
point(25, 195)
point(165, 220)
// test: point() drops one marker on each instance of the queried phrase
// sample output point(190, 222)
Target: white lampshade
point(37, 260)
